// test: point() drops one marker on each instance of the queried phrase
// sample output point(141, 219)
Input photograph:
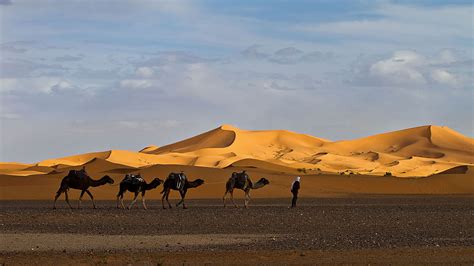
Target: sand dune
point(74, 160)
point(410, 153)
point(414, 152)
point(228, 146)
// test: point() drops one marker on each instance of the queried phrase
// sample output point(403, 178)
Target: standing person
point(294, 189)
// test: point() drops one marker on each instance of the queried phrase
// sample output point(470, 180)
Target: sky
point(83, 76)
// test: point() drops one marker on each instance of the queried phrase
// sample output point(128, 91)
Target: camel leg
point(184, 204)
point(119, 197)
point(181, 201)
point(56, 198)
point(79, 204)
point(167, 195)
point(92, 198)
point(223, 198)
point(232, 199)
point(67, 199)
point(247, 199)
point(133, 201)
point(183, 194)
point(163, 200)
point(121, 202)
point(143, 200)
point(118, 200)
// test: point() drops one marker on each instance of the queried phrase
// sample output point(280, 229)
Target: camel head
point(264, 181)
point(108, 179)
point(196, 183)
point(155, 182)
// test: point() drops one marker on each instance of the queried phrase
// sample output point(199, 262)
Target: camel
point(79, 179)
point(242, 181)
point(178, 181)
point(135, 184)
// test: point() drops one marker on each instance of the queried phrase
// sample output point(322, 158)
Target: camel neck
point(147, 186)
point(258, 185)
point(96, 183)
point(192, 184)
point(152, 185)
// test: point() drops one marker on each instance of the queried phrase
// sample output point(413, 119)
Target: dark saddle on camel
point(180, 179)
point(241, 179)
point(133, 179)
point(81, 174)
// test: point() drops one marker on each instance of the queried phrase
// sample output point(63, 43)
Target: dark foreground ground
point(394, 230)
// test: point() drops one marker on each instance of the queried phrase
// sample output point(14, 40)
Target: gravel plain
point(366, 229)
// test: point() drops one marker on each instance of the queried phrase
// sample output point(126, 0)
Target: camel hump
point(78, 174)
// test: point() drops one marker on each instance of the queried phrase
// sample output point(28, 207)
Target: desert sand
point(421, 160)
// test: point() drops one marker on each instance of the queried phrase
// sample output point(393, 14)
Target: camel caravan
point(79, 179)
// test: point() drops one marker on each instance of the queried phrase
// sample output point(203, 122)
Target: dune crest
point(149, 149)
point(217, 138)
point(414, 152)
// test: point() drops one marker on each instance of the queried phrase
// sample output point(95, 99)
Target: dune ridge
point(409, 153)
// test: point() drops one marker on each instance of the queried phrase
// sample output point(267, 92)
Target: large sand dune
point(425, 154)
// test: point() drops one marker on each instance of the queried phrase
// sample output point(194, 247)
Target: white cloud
point(8, 84)
point(401, 68)
point(411, 69)
point(128, 124)
point(62, 86)
point(171, 57)
point(444, 77)
point(402, 24)
point(144, 72)
point(170, 123)
point(135, 83)
point(447, 56)
point(45, 85)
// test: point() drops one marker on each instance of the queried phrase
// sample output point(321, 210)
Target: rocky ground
point(369, 229)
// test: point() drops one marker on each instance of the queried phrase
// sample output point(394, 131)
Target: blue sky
point(80, 76)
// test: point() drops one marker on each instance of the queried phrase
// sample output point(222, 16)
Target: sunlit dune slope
point(420, 151)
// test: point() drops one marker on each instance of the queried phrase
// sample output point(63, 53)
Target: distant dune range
point(421, 160)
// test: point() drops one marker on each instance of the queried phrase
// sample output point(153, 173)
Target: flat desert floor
point(362, 229)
